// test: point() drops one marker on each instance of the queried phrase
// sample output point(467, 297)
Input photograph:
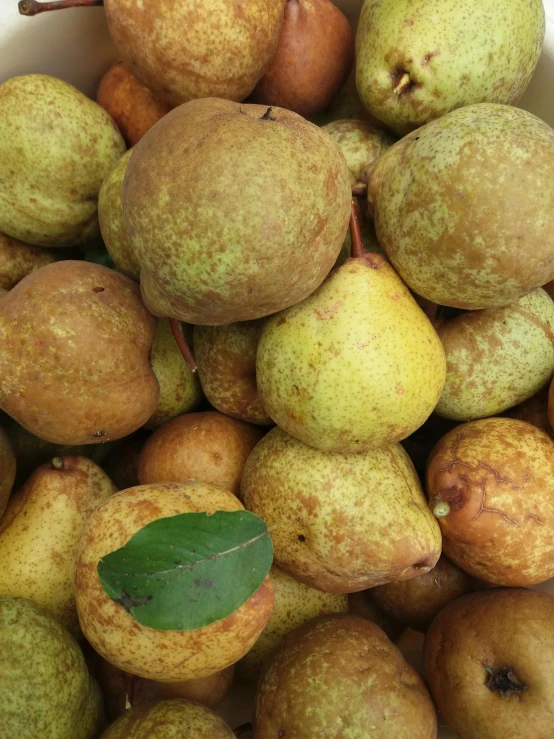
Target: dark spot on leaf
point(128, 602)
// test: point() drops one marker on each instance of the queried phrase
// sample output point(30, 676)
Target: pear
point(110, 216)
point(438, 216)
point(205, 446)
point(226, 357)
point(360, 335)
point(56, 147)
point(210, 257)
point(360, 142)
point(121, 464)
point(155, 654)
point(180, 389)
point(340, 676)
point(7, 470)
point(360, 604)
point(130, 103)
point(216, 49)
point(488, 662)
point(312, 60)
point(45, 687)
point(169, 718)
point(341, 522)
point(416, 62)
point(40, 531)
point(346, 105)
point(534, 411)
point(74, 343)
point(295, 603)
point(491, 485)
point(497, 358)
point(18, 259)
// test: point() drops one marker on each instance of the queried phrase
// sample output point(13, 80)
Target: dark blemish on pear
point(98, 289)
point(98, 434)
point(128, 602)
point(503, 680)
point(267, 115)
point(301, 537)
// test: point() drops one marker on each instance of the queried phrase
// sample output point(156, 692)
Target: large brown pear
point(74, 343)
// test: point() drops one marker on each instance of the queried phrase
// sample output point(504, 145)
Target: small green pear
point(496, 358)
point(56, 148)
point(360, 142)
point(7, 470)
point(45, 686)
point(354, 366)
point(18, 259)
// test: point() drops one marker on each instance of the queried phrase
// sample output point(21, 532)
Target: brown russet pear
point(130, 103)
point(155, 654)
point(338, 673)
point(7, 469)
point(312, 60)
point(491, 485)
point(209, 257)
point(74, 343)
point(40, 532)
point(18, 259)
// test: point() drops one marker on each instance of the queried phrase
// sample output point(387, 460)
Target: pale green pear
point(354, 366)
point(112, 226)
point(180, 389)
point(56, 148)
point(360, 142)
point(45, 687)
point(496, 358)
point(417, 60)
point(345, 105)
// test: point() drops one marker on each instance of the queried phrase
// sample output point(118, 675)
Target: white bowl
point(75, 46)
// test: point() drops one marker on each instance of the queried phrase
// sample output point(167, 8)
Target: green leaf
point(187, 571)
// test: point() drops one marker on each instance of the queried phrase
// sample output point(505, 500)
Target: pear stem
point(177, 329)
point(403, 83)
point(33, 7)
point(357, 249)
point(441, 508)
point(359, 189)
point(242, 729)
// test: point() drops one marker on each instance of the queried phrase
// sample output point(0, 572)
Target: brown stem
point(357, 249)
point(359, 189)
point(243, 728)
point(33, 7)
point(177, 329)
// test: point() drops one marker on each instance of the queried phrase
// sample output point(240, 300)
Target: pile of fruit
point(276, 361)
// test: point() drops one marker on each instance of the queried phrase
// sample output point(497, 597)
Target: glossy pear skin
point(441, 222)
point(40, 532)
point(454, 54)
point(497, 358)
point(360, 335)
point(341, 522)
point(45, 686)
point(56, 147)
point(74, 343)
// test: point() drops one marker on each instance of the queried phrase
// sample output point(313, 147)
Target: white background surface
point(75, 45)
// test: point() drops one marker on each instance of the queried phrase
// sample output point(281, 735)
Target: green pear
point(180, 389)
point(56, 148)
point(345, 106)
point(222, 231)
point(40, 531)
point(496, 358)
point(360, 142)
point(45, 686)
point(226, 357)
point(341, 522)
point(354, 366)
point(416, 61)
point(439, 217)
point(7, 470)
point(169, 719)
point(18, 259)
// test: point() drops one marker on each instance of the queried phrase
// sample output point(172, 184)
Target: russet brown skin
point(130, 103)
point(493, 482)
point(489, 661)
point(209, 447)
point(416, 602)
point(313, 58)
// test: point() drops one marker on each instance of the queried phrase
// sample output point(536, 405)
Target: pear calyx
point(503, 680)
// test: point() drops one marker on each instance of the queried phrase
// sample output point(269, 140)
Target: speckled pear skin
point(360, 142)
point(345, 105)
point(18, 260)
point(74, 343)
point(354, 366)
point(226, 357)
point(340, 676)
point(497, 358)
point(497, 476)
point(185, 50)
point(439, 215)
point(40, 531)
point(45, 687)
point(56, 147)
point(110, 217)
point(295, 603)
point(7, 469)
point(224, 233)
point(455, 54)
point(341, 522)
point(166, 656)
point(169, 719)
point(180, 389)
